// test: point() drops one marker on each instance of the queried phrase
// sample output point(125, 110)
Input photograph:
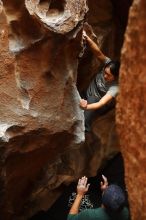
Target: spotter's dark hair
point(113, 198)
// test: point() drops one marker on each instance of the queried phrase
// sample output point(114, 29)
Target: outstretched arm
point(82, 188)
point(94, 47)
point(103, 101)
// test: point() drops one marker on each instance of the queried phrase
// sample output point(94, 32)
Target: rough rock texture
point(131, 111)
point(39, 114)
point(41, 124)
point(60, 16)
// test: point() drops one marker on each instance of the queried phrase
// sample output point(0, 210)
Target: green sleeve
point(72, 217)
point(126, 214)
point(84, 215)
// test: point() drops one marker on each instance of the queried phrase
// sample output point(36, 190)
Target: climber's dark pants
point(90, 115)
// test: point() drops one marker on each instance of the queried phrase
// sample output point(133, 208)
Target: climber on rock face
point(112, 207)
point(102, 91)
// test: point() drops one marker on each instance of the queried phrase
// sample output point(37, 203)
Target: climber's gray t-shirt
point(99, 87)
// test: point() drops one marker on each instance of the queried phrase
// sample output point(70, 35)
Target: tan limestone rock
point(39, 111)
point(131, 110)
point(41, 124)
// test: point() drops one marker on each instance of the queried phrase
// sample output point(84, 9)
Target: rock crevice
point(43, 66)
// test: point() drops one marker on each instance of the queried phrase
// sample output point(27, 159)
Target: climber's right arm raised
point(94, 47)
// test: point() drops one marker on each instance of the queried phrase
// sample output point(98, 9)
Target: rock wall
point(39, 115)
point(41, 124)
point(131, 110)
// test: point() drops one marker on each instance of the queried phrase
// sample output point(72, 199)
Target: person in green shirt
point(112, 207)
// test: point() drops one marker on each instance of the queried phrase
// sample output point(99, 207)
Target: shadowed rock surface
point(113, 170)
point(42, 59)
point(131, 109)
point(39, 114)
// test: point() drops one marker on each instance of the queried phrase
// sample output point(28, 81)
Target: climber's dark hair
point(114, 68)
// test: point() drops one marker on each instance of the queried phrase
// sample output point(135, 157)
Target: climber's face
point(108, 76)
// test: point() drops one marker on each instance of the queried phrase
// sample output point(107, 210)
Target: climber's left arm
point(103, 101)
